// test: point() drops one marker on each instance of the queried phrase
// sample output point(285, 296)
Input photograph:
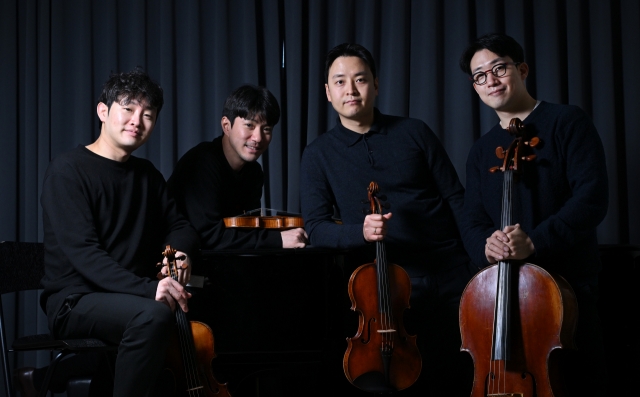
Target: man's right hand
point(294, 238)
point(170, 291)
point(375, 227)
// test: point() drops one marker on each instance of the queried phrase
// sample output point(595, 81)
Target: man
point(222, 178)
point(559, 200)
point(415, 174)
point(107, 217)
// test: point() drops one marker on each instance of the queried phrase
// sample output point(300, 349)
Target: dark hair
point(134, 85)
point(348, 50)
point(498, 43)
point(249, 101)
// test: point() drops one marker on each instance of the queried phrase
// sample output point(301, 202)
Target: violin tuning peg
point(500, 152)
point(533, 142)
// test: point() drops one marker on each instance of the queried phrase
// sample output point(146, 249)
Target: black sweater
point(560, 199)
point(105, 226)
point(207, 190)
point(415, 174)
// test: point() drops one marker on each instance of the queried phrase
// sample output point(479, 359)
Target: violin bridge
point(505, 395)
point(386, 331)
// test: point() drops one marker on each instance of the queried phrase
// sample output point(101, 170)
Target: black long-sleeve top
point(412, 170)
point(560, 199)
point(106, 224)
point(207, 190)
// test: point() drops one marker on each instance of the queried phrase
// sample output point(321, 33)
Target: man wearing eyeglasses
point(558, 201)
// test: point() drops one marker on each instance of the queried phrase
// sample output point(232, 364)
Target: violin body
point(363, 364)
point(543, 318)
point(276, 222)
point(203, 347)
point(191, 351)
point(381, 357)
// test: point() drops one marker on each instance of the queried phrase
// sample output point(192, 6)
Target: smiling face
point(503, 94)
point(245, 140)
point(352, 90)
point(125, 127)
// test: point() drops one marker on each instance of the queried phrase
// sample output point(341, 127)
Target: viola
point(190, 353)
point(275, 222)
point(381, 357)
point(513, 315)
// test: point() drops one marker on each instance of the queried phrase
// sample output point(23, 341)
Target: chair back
point(21, 266)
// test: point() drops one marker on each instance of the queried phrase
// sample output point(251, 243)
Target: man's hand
point(375, 227)
point(519, 243)
point(294, 238)
point(183, 265)
point(510, 243)
point(170, 291)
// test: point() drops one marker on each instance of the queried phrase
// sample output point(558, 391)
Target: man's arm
point(200, 192)
point(317, 201)
point(74, 235)
point(586, 174)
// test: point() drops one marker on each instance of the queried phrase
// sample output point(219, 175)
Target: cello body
point(514, 315)
point(543, 318)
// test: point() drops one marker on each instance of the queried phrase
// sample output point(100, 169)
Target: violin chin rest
point(373, 382)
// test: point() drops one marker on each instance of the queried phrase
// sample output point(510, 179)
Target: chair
point(21, 269)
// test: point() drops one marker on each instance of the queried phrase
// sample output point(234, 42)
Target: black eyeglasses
point(498, 70)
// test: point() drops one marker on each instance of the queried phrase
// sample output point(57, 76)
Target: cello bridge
point(386, 331)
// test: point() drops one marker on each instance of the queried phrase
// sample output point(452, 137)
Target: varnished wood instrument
point(381, 357)
point(513, 315)
point(189, 356)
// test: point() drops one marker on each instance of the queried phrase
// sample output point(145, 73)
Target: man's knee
point(155, 320)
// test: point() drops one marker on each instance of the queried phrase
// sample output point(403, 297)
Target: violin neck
point(383, 278)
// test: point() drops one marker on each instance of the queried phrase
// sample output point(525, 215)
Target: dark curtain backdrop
point(55, 55)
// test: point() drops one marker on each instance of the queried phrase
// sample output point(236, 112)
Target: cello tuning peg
point(494, 169)
point(529, 157)
point(533, 142)
point(500, 152)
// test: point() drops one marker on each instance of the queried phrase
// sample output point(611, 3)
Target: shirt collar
point(350, 138)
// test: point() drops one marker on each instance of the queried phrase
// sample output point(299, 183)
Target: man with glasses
point(559, 200)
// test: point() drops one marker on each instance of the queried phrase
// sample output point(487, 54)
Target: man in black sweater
point(415, 174)
point(107, 217)
point(222, 178)
point(558, 201)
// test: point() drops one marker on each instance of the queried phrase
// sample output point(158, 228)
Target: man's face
point(499, 93)
point(351, 88)
point(126, 126)
point(246, 140)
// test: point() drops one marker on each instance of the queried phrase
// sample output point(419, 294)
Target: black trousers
point(141, 326)
point(584, 370)
point(433, 317)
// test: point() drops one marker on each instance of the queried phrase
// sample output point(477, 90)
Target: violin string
point(384, 291)
point(186, 343)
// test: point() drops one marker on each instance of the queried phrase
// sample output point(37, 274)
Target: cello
point(189, 356)
point(275, 222)
point(381, 357)
point(513, 315)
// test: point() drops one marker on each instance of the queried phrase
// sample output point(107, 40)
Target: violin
point(381, 357)
point(275, 222)
point(189, 355)
point(513, 315)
